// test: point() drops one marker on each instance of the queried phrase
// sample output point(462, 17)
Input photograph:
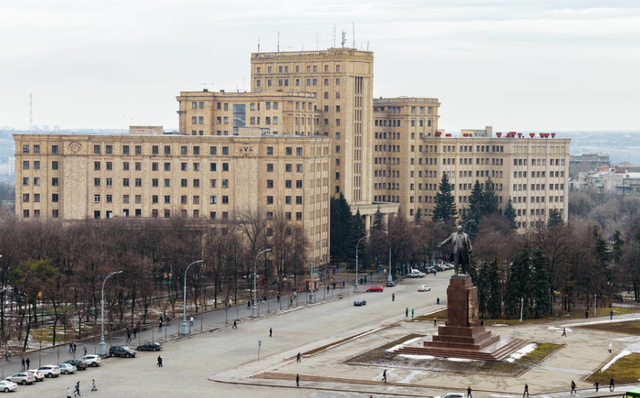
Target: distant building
point(587, 162)
point(630, 183)
point(602, 180)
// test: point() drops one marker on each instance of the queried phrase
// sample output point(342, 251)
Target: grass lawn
point(327, 346)
point(624, 370)
point(631, 327)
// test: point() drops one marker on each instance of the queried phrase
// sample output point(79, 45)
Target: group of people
point(76, 389)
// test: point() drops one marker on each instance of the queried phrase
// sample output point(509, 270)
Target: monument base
point(462, 337)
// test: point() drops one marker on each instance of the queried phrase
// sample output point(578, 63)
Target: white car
point(6, 386)
point(415, 274)
point(50, 370)
point(37, 375)
point(424, 288)
point(91, 360)
point(452, 395)
point(23, 378)
point(67, 368)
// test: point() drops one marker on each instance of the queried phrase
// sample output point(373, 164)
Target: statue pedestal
point(462, 336)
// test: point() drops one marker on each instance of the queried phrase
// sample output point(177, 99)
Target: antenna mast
point(30, 111)
point(354, 35)
point(258, 44)
point(344, 38)
point(278, 41)
point(334, 36)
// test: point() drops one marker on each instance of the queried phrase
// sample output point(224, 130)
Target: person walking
point(298, 360)
point(249, 304)
point(160, 325)
point(384, 376)
point(85, 350)
point(159, 361)
point(435, 322)
point(611, 314)
point(573, 388)
point(597, 385)
point(270, 332)
point(612, 384)
point(406, 312)
point(93, 385)
point(564, 332)
point(393, 297)
point(29, 364)
point(438, 301)
point(191, 321)
point(76, 392)
point(68, 390)
point(128, 335)
point(70, 347)
point(235, 324)
point(469, 392)
point(412, 313)
point(610, 347)
point(75, 347)
point(23, 364)
point(297, 380)
point(526, 390)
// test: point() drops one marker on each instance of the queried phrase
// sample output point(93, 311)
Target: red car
point(375, 289)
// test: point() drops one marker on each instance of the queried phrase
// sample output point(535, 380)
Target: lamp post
point(102, 346)
point(254, 308)
point(595, 304)
point(357, 289)
point(521, 307)
point(184, 328)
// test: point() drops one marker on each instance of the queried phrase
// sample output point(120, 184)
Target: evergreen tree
point(483, 285)
point(510, 213)
point(519, 283)
point(341, 220)
point(475, 202)
point(495, 277)
point(617, 247)
point(543, 303)
point(418, 216)
point(378, 220)
point(357, 232)
point(490, 200)
point(445, 209)
point(555, 218)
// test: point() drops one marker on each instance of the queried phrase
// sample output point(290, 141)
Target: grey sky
point(513, 64)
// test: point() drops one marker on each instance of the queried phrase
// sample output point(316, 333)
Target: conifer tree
point(341, 220)
point(445, 209)
point(519, 284)
point(417, 216)
point(475, 202)
point(542, 294)
point(555, 218)
point(510, 213)
point(378, 220)
point(495, 276)
point(490, 200)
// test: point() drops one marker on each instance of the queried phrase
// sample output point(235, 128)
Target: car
point(424, 288)
point(151, 346)
point(121, 351)
point(449, 266)
point(67, 368)
point(50, 370)
point(438, 268)
point(452, 395)
point(415, 274)
point(375, 289)
point(391, 284)
point(91, 360)
point(78, 363)
point(36, 374)
point(6, 386)
point(359, 302)
point(23, 378)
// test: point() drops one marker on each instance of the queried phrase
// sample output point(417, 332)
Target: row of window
point(539, 162)
point(538, 187)
point(538, 174)
point(287, 200)
point(285, 68)
point(36, 149)
point(297, 82)
point(398, 109)
point(537, 199)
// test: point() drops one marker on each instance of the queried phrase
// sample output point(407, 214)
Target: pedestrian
point(291, 299)
point(128, 336)
point(235, 324)
point(438, 301)
point(68, 390)
point(298, 359)
point(29, 363)
point(412, 313)
point(612, 384)
point(159, 361)
point(564, 332)
point(610, 347)
point(85, 350)
point(93, 385)
point(270, 332)
point(393, 297)
point(297, 380)
point(23, 364)
point(586, 314)
point(384, 376)
point(597, 385)
point(435, 322)
point(248, 305)
point(342, 283)
point(469, 392)
point(70, 347)
point(526, 390)
point(75, 346)
point(160, 325)
point(77, 390)
point(482, 322)
point(406, 312)
point(327, 289)
point(135, 331)
point(573, 388)
point(191, 321)
point(6, 356)
point(611, 314)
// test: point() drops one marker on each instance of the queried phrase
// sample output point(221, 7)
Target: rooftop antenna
point(278, 41)
point(334, 36)
point(258, 44)
point(344, 38)
point(317, 41)
point(368, 45)
point(354, 35)
point(30, 111)
point(205, 88)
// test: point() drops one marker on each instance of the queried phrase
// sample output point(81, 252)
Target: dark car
point(121, 351)
point(359, 302)
point(152, 346)
point(79, 364)
point(391, 284)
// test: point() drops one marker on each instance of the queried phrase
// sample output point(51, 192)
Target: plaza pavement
point(219, 361)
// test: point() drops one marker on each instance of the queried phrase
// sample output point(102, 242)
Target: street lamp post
point(102, 346)
point(184, 328)
point(357, 288)
point(521, 307)
point(254, 308)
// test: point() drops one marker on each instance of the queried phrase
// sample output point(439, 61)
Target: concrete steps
point(487, 353)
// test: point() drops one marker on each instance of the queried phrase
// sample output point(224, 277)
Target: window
point(269, 150)
point(213, 150)
point(25, 149)
point(154, 213)
point(183, 166)
point(36, 165)
point(54, 165)
point(167, 213)
point(167, 199)
point(96, 182)
point(225, 200)
point(155, 150)
point(212, 183)
point(96, 214)
point(25, 197)
point(183, 183)
point(125, 149)
point(298, 200)
point(96, 166)
point(225, 166)
point(25, 181)
point(269, 167)
point(212, 166)
point(196, 150)
point(299, 151)
point(225, 150)
point(125, 166)
point(194, 120)
point(167, 167)
point(298, 184)
point(213, 199)
point(167, 182)
point(25, 213)
point(196, 183)
point(167, 150)
point(183, 150)
point(108, 149)
point(289, 151)
point(269, 184)
point(54, 149)
point(96, 149)
point(54, 181)
point(138, 182)
point(54, 214)
point(154, 198)
point(225, 183)
point(125, 182)
point(96, 198)
point(298, 168)
point(109, 165)
point(288, 168)
point(138, 166)
point(269, 200)
point(54, 198)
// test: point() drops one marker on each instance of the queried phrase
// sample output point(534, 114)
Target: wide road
point(188, 362)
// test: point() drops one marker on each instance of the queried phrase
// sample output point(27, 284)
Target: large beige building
point(148, 173)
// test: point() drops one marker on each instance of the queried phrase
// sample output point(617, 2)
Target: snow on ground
point(409, 378)
point(399, 346)
point(522, 352)
point(606, 321)
point(432, 357)
point(622, 353)
point(499, 324)
point(559, 329)
point(632, 343)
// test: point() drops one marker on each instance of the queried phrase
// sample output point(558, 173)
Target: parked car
point(6, 386)
point(50, 370)
point(91, 360)
point(449, 266)
point(391, 284)
point(375, 289)
point(359, 302)
point(67, 368)
point(438, 268)
point(121, 351)
point(37, 376)
point(23, 378)
point(415, 274)
point(151, 346)
point(452, 395)
point(78, 363)
point(424, 288)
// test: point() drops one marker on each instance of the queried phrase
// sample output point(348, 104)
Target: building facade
point(147, 173)
point(587, 162)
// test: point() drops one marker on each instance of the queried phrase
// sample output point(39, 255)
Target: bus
point(633, 394)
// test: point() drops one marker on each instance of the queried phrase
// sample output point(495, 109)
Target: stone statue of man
point(460, 249)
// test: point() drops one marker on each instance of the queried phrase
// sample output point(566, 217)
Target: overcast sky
point(515, 64)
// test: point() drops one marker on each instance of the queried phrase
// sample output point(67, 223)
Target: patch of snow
point(499, 324)
point(408, 356)
point(409, 378)
point(399, 346)
point(458, 360)
point(605, 321)
point(522, 352)
point(622, 354)
point(559, 329)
